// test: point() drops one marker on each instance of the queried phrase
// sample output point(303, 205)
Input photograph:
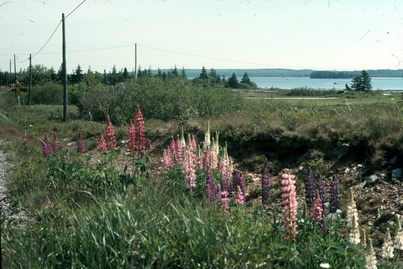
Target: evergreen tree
point(183, 73)
point(203, 74)
point(175, 72)
point(125, 74)
point(233, 82)
point(105, 78)
point(245, 79)
point(159, 73)
point(361, 82)
point(77, 75)
point(164, 76)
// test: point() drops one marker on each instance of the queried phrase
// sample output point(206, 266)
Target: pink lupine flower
point(110, 135)
point(193, 143)
point(316, 208)
point(172, 150)
point(239, 196)
point(56, 143)
point(200, 159)
point(46, 147)
point(213, 159)
point(132, 138)
point(206, 159)
point(178, 150)
point(289, 203)
point(211, 187)
point(225, 201)
point(189, 168)
point(80, 144)
point(102, 144)
point(141, 137)
point(168, 160)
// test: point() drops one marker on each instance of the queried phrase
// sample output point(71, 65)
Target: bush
point(173, 99)
point(49, 93)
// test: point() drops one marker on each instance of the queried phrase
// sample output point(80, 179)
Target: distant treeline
point(352, 74)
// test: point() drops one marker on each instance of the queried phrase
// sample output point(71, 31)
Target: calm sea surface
point(298, 82)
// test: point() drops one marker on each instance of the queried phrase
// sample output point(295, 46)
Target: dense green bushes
point(49, 93)
point(174, 99)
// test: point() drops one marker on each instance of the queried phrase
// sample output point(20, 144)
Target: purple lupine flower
point(334, 194)
point(212, 189)
point(320, 187)
point(309, 188)
point(56, 144)
point(265, 184)
point(238, 180)
point(80, 144)
point(46, 147)
point(224, 184)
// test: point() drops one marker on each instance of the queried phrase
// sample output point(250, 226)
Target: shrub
point(49, 93)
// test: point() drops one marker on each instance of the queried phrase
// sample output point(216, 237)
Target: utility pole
point(64, 71)
point(15, 70)
point(135, 60)
point(30, 81)
point(9, 75)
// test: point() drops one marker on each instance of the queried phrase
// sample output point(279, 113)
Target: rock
point(372, 179)
point(397, 174)
point(393, 161)
point(342, 150)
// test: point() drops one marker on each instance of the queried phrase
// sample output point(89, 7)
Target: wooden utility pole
point(64, 71)
point(135, 60)
point(15, 70)
point(30, 81)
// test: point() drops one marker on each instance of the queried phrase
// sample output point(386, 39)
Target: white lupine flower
point(370, 259)
point(352, 221)
point(398, 240)
point(387, 247)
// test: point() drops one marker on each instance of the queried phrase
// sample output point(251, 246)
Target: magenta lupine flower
point(316, 209)
point(102, 144)
point(46, 147)
point(193, 143)
point(206, 159)
point(80, 144)
point(225, 201)
point(56, 143)
point(334, 195)
point(110, 138)
point(289, 203)
point(239, 196)
point(189, 168)
point(238, 180)
point(265, 184)
point(132, 135)
point(309, 188)
point(140, 131)
point(211, 187)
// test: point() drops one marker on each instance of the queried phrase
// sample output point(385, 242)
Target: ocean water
point(378, 83)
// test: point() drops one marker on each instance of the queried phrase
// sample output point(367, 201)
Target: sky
point(297, 34)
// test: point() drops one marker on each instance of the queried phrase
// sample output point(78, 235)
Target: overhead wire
point(71, 12)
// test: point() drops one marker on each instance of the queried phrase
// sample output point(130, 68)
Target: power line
point(221, 59)
point(71, 12)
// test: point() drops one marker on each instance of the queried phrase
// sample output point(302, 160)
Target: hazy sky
point(318, 34)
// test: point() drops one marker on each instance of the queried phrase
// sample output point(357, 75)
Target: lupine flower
point(316, 209)
point(238, 180)
point(207, 140)
point(56, 143)
point(320, 187)
point(110, 135)
point(206, 159)
point(102, 144)
point(200, 159)
point(193, 143)
point(364, 239)
point(140, 132)
point(132, 135)
point(46, 147)
point(265, 184)
point(239, 196)
point(183, 141)
point(189, 168)
point(213, 159)
point(387, 247)
point(80, 144)
point(178, 150)
point(370, 259)
point(211, 186)
point(225, 201)
point(167, 157)
point(172, 150)
point(289, 203)
point(309, 188)
point(352, 221)
point(398, 240)
point(334, 195)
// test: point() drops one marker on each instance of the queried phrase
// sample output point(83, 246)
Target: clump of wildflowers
point(289, 203)
point(239, 196)
point(316, 209)
point(265, 184)
point(132, 134)
point(46, 147)
point(225, 201)
point(387, 247)
point(189, 167)
point(102, 144)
